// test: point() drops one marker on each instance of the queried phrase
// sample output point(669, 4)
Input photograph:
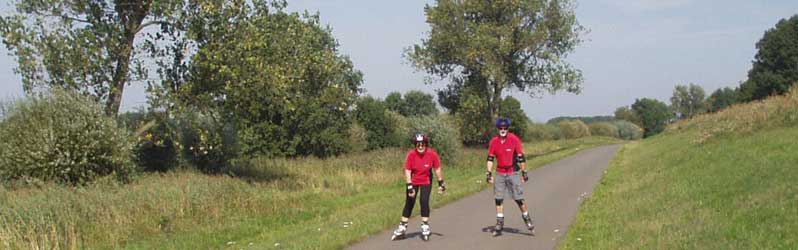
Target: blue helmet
point(503, 123)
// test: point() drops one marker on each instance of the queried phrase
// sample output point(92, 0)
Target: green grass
point(299, 204)
point(722, 181)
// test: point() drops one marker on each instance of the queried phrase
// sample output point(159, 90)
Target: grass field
point(720, 181)
point(279, 204)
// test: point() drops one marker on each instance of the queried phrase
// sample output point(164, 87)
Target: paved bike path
point(553, 195)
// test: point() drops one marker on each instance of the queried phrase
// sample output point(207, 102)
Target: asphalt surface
point(553, 194)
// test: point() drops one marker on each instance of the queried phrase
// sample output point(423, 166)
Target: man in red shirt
point(419, 164)
point(508, 152)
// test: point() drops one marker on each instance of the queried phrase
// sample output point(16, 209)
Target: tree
point(277, 76)
point(380, 129)
point(418, 103)
point(628, 114)
point(688, 101)
point(654, 115)
point(775, 66)
point(722, 98)
point(395, 102)
point(87, 45)
point(585, 119)
point(500, 45)
point(414, 103)
point(511, 108)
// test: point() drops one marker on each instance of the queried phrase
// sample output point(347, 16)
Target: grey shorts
point(503, 183)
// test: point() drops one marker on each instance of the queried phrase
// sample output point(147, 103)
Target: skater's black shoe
point(399, 233)
point(497, 230)
point(425, 232)
point(529, 223)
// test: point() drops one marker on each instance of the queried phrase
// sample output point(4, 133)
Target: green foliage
point(585, 119)
point(574, 129)
point(208, 144)
point(419, 103)
point(543, 132)
point(395, 102)
point(603, 129)
point(499, 45)
point(276, 77)
point(157, 148)
point(688, 101)
point(775, 66)
point(722, 98)
point(443, 135)
point(92, 46)
point(628, 130)
point(474, 122)
point(62, 136)
point(627, 114)
point(414, 103)
point(654, 115)
point(511, 108)
point(358, 139)
point(379, 124)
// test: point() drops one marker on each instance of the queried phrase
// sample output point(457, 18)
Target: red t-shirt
point(421, 165)
point(504, 152)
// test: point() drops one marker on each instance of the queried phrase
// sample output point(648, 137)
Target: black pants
point(410, 202)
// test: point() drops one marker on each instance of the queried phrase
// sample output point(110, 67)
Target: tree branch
point(150, 23)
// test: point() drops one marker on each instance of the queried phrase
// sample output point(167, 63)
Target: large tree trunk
point(120, 78)
point(132, 14)
point(495, 101)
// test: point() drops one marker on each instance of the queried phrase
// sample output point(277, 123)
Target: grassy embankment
point(286, 204)
point(718, 181)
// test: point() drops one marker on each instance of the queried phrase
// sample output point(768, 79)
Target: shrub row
point(571, 129)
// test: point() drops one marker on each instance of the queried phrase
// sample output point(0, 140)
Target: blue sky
point(634, 49)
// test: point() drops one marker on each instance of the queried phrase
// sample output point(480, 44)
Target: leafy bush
point(443, 135)
point(511, 108)
point(157, 147)
point(536, 132)
point(400, 127)
point(207, 144)
point(64, 137)
point(473, 121)
point(603, 129)
point(628, 130)
point(373, 115)
point(358, 141)
point(418, 103)
point(574, 129)
point(291, 95)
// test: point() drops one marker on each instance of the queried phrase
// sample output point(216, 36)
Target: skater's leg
point(410, 202)
point(518, 194)
point(425, 192)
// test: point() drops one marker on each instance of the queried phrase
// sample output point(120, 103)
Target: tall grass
point(718, 181)
point(304, 203)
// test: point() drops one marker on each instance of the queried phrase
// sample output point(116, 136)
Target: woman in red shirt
point(419, 164)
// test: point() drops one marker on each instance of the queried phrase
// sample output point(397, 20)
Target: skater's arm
point(408, 178)
point(489, 167)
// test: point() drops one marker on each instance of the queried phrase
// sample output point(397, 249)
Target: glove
point(410, 191)
point(489, 176)
point(441, 187)
point(525, 175)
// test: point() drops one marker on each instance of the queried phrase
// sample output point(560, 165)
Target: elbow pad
point(491, 158)
point(521, 158)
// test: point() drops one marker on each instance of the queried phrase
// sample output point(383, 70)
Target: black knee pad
point(499, 202)
point(519, 202)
